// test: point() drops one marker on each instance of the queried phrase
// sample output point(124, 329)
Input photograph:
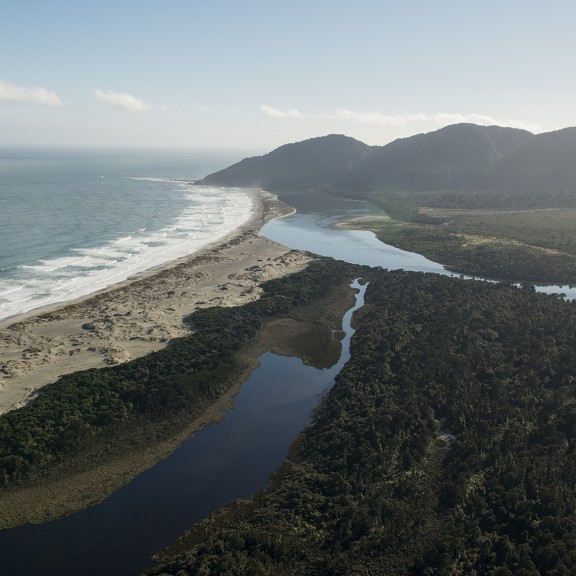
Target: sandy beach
point(141, 315)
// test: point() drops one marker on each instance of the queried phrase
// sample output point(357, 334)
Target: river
point(313, 228)
point(221, 463)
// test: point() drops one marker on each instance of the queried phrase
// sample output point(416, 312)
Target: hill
point(546, 162)
point(461, 156)
point(323, 162)
point(452, 157)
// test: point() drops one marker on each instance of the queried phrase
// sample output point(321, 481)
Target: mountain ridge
point(456, 157)
point(325, 161)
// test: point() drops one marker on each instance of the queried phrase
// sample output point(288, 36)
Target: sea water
point(76, 221)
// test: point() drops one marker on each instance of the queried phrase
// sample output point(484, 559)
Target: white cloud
point(444, 119)
point(439, 119)
point(122, 101)
point(378, 117)
point(276, 113)
point(12, 93)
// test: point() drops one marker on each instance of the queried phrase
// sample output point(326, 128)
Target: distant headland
point(460, 156)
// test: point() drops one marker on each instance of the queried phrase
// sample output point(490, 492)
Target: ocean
point(73, 222)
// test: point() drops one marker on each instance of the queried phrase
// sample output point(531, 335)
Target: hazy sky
point(258, 74)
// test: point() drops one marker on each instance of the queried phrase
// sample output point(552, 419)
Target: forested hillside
point(464, 158)
point(452, 158)
point(447, 446)
point(323, 163)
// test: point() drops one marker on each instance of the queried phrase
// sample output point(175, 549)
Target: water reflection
point(223, 462)
point(313, 232)
point(316, 232)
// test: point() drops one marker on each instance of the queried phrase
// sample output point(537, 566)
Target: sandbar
point(144, 313)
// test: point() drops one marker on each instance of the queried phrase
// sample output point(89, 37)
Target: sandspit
point(141, 315)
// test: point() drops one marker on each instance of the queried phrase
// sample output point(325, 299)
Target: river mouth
point(120, 535)
point(316, 233)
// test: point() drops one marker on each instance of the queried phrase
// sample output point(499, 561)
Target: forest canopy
point(447, 446)
point(82, 415)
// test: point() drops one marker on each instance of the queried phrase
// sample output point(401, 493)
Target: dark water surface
point(221, 463)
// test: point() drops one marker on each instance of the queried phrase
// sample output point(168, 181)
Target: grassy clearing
point(553, 229)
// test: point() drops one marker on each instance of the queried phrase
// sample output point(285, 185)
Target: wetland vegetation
point(448, 443)
point(87, 420)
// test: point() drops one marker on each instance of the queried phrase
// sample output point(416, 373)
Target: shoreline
point(258, 197)
point(143, 313)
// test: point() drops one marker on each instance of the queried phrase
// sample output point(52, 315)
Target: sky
point(253, 74)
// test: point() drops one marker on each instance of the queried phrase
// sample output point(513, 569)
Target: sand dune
point(141, 315)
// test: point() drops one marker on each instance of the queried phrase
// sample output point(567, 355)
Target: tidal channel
point(314, 228)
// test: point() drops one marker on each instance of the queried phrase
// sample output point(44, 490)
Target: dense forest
point(78, 420)
point(447, 446)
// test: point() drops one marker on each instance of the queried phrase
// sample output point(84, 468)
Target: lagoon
point(314, 228)
point(223, 462)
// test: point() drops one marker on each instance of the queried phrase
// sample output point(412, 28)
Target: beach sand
point(140, 315)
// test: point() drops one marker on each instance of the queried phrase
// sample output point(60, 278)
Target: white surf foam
point(211, 214)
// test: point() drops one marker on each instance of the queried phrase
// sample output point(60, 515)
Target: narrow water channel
point(223, 462)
